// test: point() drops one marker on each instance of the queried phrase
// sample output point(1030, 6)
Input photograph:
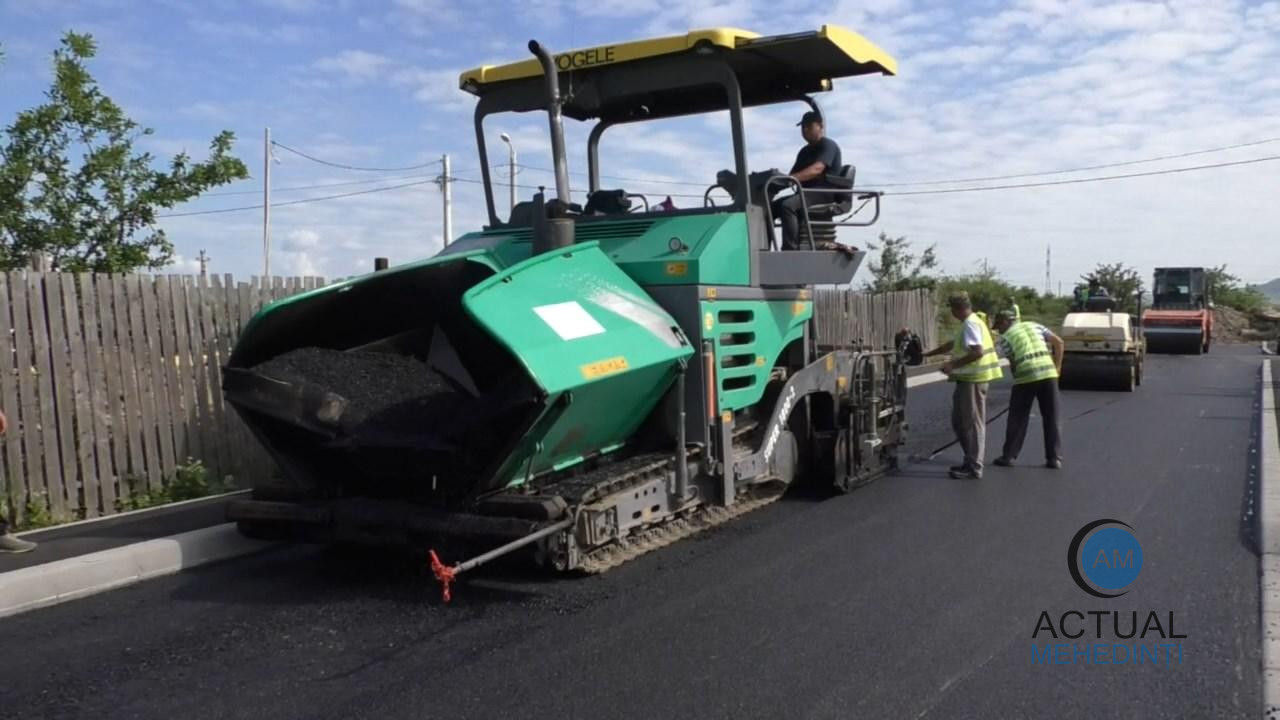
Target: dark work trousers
point(1045, 392)
point(789, 213)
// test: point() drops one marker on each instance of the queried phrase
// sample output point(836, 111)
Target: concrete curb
point(63, 580)
point(39, 534)
point(1269, 490)
point(925, 379)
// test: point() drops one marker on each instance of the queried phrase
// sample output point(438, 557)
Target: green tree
point(1122, 283)
point(72, 187)
point(1226, 289)
point(1219, 278)
point(897, 268)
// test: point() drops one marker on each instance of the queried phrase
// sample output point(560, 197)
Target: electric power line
point(312, 158)
point(988, 178)
point(1075, 181)
point(297, 202)
point(656, 181)
point(651, 181)
point(539, 187)
point(371, 181)
point(1084, 168)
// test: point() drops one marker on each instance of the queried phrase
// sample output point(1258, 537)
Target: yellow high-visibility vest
point(985, 368)
point(1029, 354)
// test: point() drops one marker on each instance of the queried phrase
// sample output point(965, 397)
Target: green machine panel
point(699, 249)
point(749, 335)
point(602, 350)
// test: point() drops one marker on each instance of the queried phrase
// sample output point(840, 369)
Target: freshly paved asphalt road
point(913, 597)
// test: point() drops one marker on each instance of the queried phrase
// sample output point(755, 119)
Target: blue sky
point(985, 88)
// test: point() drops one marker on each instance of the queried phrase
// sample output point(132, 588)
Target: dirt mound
point(1230, 325)
point(1266, 325)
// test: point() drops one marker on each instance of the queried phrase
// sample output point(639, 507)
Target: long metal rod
point(737, 126)
point(512, 546)
point(511, 170)
point(561, 163)
point(593, 155)
point(446, 194)
point(266, 206)
point(483, 151)
point(712, 412)
point(682, 456)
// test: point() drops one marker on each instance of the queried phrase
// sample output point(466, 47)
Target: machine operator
point(819, 156)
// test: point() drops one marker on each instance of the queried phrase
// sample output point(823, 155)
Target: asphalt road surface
point(916, 596)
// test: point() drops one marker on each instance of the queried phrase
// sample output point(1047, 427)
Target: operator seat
point(608, 202)
point(825, 235)
point(522, 215)
point(1100, 304)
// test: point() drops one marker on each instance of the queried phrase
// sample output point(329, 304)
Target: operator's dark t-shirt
point(825, 151)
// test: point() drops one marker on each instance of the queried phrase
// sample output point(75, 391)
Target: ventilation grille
point(586, 232)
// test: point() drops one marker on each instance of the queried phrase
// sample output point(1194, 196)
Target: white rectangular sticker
point(569, 319)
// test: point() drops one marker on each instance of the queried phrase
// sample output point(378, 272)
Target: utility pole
point(1048, 286)
point(204, 264)
point(511, 168)
point(446, 193)
point(266, 206)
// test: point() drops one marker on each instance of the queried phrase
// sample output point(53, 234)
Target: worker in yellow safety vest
point(1035, 357)
point(972, 366)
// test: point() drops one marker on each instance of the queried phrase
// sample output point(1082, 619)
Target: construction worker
point(1035, 357)
point(972, 366)
point(8, 542)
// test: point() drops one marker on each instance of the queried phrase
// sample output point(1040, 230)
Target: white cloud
point(425, 18)
point(357, 65)
point(437, 88)
point(301, 239)
point(301, 263)
point(956, 57)
point(183, 266)
point(207, 110)
point(1120, 17)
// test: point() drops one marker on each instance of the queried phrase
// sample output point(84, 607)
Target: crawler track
point(679, 527)
point(611, 478)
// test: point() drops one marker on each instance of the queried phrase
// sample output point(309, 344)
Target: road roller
point(1180, 319)
point(1103, 351)
point(583, 383)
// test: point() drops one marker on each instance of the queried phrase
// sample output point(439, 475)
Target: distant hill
point(1271, 290)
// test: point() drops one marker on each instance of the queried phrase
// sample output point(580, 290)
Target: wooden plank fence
point(112, 382)
point(845, 317)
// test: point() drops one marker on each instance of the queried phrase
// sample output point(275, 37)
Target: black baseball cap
point(810, 117)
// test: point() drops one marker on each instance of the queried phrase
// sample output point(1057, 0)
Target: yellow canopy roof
point(827, 53)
